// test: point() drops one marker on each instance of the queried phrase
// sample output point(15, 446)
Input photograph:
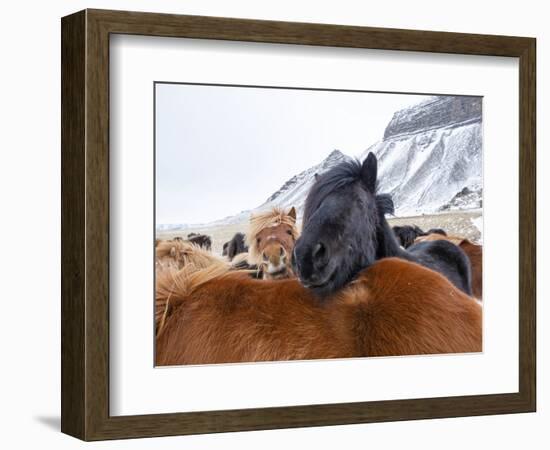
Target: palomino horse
point(344, 231)
point(270, 240)
point(171, 256)
point(395, 307)
point(474, 253)
point(176, 254)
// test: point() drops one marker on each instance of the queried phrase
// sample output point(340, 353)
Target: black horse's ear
point(369, 171)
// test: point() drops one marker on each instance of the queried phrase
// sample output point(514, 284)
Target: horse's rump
point(446, 258)
point(474, 253)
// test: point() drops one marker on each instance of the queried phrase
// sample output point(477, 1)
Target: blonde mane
point(179, 254)
point(258, 222)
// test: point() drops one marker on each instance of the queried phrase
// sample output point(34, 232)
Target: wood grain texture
point(85, 224)
point(73, 230)
point(527, 224)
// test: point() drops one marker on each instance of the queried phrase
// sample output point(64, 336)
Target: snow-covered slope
point(430, 159)
point(295, 190)
point(430, 153)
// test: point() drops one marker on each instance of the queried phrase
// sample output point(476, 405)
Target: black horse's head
point(339, 230)
point(406, 234)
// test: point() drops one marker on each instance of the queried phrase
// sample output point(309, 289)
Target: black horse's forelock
point(345, 173)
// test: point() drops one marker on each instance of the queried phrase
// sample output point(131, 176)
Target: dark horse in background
point(235, 246)
point(407, 234)
point(344, 230)
point(202, 240)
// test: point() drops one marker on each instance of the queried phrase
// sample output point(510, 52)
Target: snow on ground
point(478, 223)
point(458, 223)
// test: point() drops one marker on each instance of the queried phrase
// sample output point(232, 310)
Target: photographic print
point(298, 224)
point(225, 218)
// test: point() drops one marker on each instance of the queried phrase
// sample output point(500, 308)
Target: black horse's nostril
point(319, 254)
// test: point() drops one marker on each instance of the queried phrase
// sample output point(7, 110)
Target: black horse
point(202, 240)
point(406, 234)
point(344, 230)
point(235, 246)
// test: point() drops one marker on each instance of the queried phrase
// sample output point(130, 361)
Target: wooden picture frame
point(85, 224)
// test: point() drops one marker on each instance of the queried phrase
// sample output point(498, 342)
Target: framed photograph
point(273, 225)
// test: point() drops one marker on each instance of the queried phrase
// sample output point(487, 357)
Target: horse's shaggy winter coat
point(395, 307)
point(171, 256)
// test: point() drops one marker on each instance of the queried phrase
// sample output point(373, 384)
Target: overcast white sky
point(221, 150)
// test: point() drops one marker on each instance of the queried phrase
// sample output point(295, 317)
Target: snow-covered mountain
point(430, 153)
point(429, 160)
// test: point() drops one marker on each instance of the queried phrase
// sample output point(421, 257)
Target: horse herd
point(346, 285)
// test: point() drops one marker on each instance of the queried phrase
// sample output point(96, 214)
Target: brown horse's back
point(413, 310)
point(237, 320)
point(394, 308)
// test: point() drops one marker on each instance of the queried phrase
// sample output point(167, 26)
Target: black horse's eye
point(289, 232)
point(258, 241)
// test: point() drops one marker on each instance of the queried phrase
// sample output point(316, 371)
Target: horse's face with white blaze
point(339, 227)
point(271, 237)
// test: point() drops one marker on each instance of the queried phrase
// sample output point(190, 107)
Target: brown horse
point(474, 253)
point(395, 307)
point(271, 238)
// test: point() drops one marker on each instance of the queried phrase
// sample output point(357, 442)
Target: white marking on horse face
point(274, 269)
